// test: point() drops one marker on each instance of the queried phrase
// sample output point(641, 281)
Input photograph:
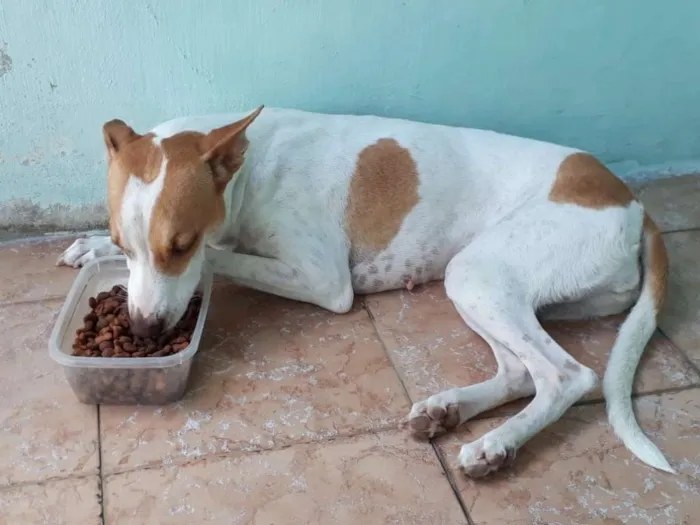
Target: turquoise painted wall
point(621, 79)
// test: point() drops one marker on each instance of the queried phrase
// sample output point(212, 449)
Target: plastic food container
point(120, 381)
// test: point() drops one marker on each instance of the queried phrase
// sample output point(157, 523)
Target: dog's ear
point(224, 149)
point(117, 135)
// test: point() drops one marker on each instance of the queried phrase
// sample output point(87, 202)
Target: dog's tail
point(631, 341)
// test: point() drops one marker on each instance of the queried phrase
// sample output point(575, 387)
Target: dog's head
point(165, 195)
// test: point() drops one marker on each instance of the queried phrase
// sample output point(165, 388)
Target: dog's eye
point(182, 244)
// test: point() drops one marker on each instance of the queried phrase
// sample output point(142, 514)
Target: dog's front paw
point(86, 249)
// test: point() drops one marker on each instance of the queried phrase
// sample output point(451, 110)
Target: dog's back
point(378, 182)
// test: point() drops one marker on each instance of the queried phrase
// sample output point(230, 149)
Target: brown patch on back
point(189, 205)
point(656, 262)
point(584, 180)
point(383, 190)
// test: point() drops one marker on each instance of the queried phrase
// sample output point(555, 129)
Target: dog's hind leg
point(490, 296)
point(536, 258)
point(448, 409)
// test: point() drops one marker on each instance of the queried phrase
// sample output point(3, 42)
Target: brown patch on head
point(191, 203)
point(188, 206)
point(130, 154)
point(656, 262)
point(383, 190)
point(584, 180)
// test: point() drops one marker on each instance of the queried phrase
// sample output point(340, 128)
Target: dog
point(318, 208)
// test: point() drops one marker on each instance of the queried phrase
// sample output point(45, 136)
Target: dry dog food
point(106, 330)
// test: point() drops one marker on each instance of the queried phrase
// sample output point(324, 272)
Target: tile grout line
point(25, 302)
point(452, 482)
point(202, 459)
point(216, 456)
point(46, 238)
point(681, 230)
point(448, 476)
point(662, 391)
point(686, 357)
point(342, 438)
point(386, 351)
point(45, 481)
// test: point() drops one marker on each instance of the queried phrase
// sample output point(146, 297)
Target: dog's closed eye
point(183, 243)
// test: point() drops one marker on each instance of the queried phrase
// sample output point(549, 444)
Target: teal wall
point(620, 78)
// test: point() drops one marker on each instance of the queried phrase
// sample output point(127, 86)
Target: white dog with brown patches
point(317, 208)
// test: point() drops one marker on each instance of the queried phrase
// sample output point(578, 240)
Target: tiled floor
point(292, 413)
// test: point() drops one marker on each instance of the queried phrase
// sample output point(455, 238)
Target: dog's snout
point(146, 326)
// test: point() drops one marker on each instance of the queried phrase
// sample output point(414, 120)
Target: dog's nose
point(146, 326)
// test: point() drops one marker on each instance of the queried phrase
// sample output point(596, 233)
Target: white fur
point(483, 222)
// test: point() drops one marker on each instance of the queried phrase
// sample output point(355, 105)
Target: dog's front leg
point(85, 249)
point(331, 289)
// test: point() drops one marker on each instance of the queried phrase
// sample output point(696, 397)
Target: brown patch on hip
point(383, 191)
point(584, 180)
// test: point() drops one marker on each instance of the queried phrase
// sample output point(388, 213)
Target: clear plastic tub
point(120, 381)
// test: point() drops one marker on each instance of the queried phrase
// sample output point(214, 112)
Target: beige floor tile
point(72, 501)
point(271, 372)
point(673, 202)
point(44, 430)
point(371, 479)
point(28, 271)
point(680, 319)
point(432, 348)
point(577, 472)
